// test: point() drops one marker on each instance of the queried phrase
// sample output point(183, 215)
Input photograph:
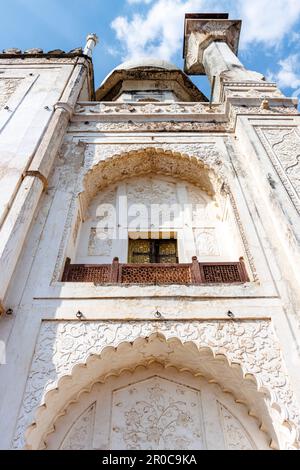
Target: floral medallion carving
point(154, 415)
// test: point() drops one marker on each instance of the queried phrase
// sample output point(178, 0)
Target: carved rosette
point(250, 344)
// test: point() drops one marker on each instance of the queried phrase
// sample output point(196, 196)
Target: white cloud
point(159, 32)
point(288, 75)
point(267, 21)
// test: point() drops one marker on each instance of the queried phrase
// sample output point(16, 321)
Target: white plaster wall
point(31, 106)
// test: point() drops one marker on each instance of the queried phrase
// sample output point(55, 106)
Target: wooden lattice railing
point(194, 273)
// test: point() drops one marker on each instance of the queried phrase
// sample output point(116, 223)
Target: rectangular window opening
point(154, 249)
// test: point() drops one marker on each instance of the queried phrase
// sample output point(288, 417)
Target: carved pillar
point(211, 46)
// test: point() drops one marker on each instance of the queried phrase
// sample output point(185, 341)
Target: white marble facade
point(209, 366)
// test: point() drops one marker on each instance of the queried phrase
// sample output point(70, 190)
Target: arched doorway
point(211, 351)
point(153, 408)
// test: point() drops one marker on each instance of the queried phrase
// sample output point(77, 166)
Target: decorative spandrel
point(80, 435)
point(236, 436)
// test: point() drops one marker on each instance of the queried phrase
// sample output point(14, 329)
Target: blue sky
point(135, 28)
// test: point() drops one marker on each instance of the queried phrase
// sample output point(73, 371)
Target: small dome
point(148, 68)
point(143, 63)
point(147, 62)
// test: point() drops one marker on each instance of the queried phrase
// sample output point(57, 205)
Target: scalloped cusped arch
point(229, 354)
point(207, 175)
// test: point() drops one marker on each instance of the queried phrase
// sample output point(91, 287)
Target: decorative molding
point(219, 119)
point(70, 173)
point(282, 145)
point(205, 153)
point(146, 125)
point(128, 109)
point(250, 344)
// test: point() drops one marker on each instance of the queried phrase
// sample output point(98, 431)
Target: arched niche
point(157, 206)
point(104, 179)
point(156, 408)
point(236, 363)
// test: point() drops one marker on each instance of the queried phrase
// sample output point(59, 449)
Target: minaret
point(210, 48)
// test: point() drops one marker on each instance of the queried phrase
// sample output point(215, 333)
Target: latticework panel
point(156, 274)
point(99, 274)
point(223, 273)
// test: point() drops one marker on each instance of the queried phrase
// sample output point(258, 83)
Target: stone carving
point(223, 117)
point(226, 190)
point(141, 108)
point(151, 191)
point(288, 151)
point(156, 126)
point(206, 242)
point(216, 28)
point(80, 435)
point(156, 415)
point(69, 173)
point(285, 144)
point(62, 345)
point(208, 153)
point(235, 435)
point(100, 242)
point(255, 93)
point(190, 162)
point(7, 87)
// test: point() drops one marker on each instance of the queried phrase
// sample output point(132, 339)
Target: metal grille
point(155, 274)
point(226, 273)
